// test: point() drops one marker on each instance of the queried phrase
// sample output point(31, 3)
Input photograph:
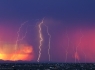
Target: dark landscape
point(47, 66)
point(27, 65)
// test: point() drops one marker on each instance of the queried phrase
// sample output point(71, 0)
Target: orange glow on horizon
point(24, 52)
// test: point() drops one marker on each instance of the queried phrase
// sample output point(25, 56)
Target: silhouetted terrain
point(19, 61)
point(47, 66)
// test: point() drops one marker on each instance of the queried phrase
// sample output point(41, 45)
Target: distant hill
point(19, 61)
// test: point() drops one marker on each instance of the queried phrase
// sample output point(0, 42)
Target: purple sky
point(71, 25)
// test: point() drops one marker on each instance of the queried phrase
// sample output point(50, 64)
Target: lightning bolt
point(67, 48)
point(24, 35)
point(41, 39)
point(18, 34)
point(49, 42)
point(18, 37)
point(76, 53)
point(82, 49)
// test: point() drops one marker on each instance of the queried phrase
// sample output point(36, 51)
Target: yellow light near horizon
point(7, 52)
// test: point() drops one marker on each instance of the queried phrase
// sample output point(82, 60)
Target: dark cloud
point(59, 9)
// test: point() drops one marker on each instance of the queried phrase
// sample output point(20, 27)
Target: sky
point(47, 30)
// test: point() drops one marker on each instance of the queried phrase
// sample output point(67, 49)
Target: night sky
point(67, 28)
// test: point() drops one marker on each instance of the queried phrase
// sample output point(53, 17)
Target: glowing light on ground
point(24, 52)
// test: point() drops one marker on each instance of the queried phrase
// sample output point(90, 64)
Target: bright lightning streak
point(18, 34)
point(49, 42)
point(41, 39)
point(18, 37)
point(76, 53)
point(24, 35)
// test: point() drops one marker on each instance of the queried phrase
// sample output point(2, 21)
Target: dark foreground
point(47, 66)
